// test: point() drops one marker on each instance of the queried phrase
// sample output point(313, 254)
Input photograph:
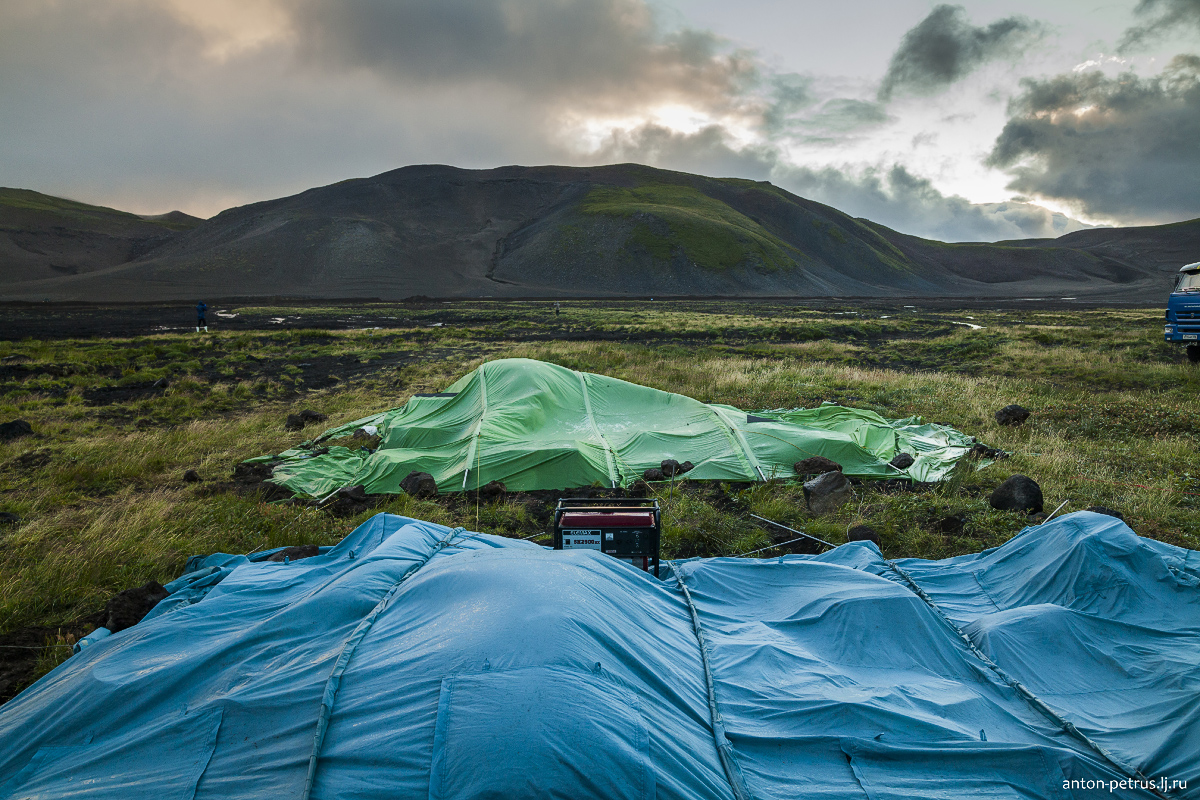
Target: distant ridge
point(612, 231)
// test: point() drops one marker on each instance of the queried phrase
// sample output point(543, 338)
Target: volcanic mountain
point(612, 231)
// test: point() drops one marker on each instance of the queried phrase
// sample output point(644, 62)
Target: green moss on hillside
point(25, 200)
point(707, 231)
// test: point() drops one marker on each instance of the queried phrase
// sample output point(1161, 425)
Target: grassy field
point(103, 507)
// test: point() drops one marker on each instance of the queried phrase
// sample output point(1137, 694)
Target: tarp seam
point(747, 455)
point(587, 408)
point(1019, 687)
point(724, 746)
point(478, 426)
point(333, 683)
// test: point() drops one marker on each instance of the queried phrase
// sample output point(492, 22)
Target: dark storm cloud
point(945, 47)
point(892, 196)
point(584, 50)
point(1123, 148)
point(1161, 17)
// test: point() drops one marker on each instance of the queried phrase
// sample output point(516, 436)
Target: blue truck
point(1183, 311)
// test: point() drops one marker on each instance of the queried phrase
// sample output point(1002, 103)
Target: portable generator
point(626, 528)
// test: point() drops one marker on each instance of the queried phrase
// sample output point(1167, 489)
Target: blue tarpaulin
point(418, 661)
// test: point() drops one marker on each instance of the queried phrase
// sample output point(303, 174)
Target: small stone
point(126, 609)
point(670, 468)
point(492, 490)
point(419, 485)
point(191, 476)
point(653, 474)
point(15, 430)
point(1012, 415)
point(1106, 511)
point(357, 494)
point(686, 466)
point(294, 422)
point(826, 492)
point(1018, 493)
point(309, 416)
point(255, 472)
point(816, 465)
point(295, 553)
point(902, 461)
point(864, 533)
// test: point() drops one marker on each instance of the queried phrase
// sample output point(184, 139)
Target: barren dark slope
point(605, 231)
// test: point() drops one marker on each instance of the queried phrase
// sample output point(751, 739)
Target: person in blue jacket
point(201, 322)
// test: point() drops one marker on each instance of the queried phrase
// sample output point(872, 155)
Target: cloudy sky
point(977, 121)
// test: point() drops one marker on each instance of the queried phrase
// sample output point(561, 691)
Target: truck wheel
point(1193, 353)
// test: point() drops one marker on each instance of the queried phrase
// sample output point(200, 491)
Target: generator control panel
point(626, 528)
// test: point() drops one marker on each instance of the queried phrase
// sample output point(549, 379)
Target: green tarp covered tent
point(533, 425)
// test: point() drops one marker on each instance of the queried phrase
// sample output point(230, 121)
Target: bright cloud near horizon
point(977, 121)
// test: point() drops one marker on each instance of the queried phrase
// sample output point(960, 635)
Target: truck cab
point(1183, 311)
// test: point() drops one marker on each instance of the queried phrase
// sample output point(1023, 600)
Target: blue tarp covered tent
point(413, 660)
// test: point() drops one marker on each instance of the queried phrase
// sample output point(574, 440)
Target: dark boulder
point(492, 490)
point(348, 501)
point(191, 476)
point(653, 474)
point(295, 422)
point(1018, 493)
point(253, 472)
point(1104, 510)
point(126, 609)
point(295, 553)
point(357, 494)
point(1012, 415)
point(864, 533)
point(14, 430)
point(670, 467)
point(902, 461)
point(419, 484)
point(816, 465)
point(826, 492)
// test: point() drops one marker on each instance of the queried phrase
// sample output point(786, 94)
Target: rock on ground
point(864, 533)
point(653, 474)
point(1012, 415)
point(126, 609)
point(902, 461)
point(1018, 493)
point(419, 485)
point(15, 430)
point(191, 476)
point(816, 465)
point(670, 467)
point(295, 422)
point(1104, 510)
point(295, 553)
point(827, 492)
point(492, 490)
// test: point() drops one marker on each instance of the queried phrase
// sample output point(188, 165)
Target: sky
point(978, 121)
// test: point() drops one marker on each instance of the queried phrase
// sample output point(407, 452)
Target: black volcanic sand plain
point(570, 232)
point(124, 400)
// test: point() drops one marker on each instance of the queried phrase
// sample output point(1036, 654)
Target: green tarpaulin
point(533, 425)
